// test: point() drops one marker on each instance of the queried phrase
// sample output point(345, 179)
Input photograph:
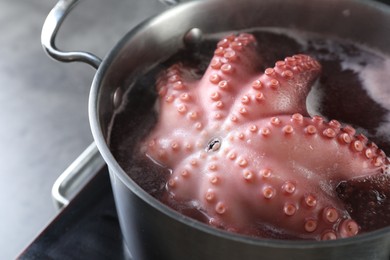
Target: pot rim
point(146, 197)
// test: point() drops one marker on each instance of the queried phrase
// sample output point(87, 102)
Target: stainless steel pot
point(150, 229)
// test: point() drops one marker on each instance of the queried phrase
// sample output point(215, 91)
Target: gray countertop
point(44, 104)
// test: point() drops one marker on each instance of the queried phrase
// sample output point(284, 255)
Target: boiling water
point(354, 88)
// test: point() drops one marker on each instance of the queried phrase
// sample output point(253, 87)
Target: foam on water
point(375, 79)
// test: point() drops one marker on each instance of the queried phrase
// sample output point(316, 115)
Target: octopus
point(242, 148)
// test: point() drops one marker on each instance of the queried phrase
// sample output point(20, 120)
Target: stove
point(87, 227)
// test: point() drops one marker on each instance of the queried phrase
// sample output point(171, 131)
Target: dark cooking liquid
point(354, 88)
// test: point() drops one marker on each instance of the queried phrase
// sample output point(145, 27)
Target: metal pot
point(151, 230)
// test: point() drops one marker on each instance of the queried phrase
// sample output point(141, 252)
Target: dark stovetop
point(87, 228)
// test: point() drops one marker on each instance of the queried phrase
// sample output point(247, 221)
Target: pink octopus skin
point(242, 147)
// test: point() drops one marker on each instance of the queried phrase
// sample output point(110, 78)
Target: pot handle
point(170, 2)
point(49, 33)
point(76, 176)
point(173, 2)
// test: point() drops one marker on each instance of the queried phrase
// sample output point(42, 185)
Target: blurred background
point(43, 104)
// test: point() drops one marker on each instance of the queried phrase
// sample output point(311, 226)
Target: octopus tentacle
point(279, 90)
